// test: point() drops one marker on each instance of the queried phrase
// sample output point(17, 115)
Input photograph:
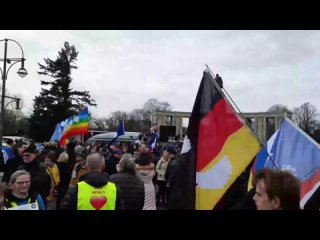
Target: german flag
point(219, 144)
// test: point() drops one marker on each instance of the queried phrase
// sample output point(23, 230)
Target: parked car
point(16, 138)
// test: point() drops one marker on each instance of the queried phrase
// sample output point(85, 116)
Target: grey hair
point(95, 162)
point(17, 174)
point(127, 164)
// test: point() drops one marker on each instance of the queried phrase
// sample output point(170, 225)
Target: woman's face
point(166, 156)
point(21, 185)
point(262, 199)
point(47, 160)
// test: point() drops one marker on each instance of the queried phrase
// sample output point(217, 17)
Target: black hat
point(31, 149)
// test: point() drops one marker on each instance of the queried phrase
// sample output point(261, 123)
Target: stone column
point(181, 127)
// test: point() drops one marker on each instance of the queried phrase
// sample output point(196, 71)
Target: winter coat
point(132, 189)
point(161, 169)
point(40, 179)
point(54, 174)
point(111, 164)
point(150, 196)
point(95, 179)
point(65, 177)
point(171, 172)
point(11, 166)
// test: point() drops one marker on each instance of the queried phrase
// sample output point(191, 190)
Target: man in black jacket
point(40, 179)
point(96, 193)
point(13, 164)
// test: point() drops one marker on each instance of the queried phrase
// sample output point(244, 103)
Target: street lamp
point(22, 72)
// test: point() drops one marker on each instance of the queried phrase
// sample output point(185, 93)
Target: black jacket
point(95, 179)
point(11, 166)
point(247, 203)
point(65, 177)
point(132, 189)
point(40, 179)
point(181, 178)
point(111, 164)
point(171, 172)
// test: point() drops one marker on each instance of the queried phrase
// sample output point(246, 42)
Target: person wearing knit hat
point(80, 167)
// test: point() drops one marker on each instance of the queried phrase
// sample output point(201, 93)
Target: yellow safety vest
point(90, 198)
point(31, 205)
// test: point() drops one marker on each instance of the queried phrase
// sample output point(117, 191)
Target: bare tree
point(154, 105)
point(138, 114)
point(101, 123)
point(137, 119)
point(279, 108)
point(115, 117)
point(306, 115)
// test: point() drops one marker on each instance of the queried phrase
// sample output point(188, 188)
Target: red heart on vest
point(98, 202)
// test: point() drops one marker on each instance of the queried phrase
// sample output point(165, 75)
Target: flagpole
point(224, 90)
point(220, 89)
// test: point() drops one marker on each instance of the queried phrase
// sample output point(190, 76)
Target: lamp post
point(22, 72)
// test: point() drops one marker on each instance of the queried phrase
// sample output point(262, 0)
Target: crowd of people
point(114, 176)
point(51, 178)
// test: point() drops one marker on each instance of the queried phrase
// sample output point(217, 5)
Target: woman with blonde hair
point(19, 197)
point(161, 169)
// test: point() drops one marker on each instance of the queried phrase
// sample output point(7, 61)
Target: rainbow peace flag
point(76, 125)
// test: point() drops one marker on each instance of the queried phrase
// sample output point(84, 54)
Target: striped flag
point(77, 125)
point(290, 148)
point(217, 148)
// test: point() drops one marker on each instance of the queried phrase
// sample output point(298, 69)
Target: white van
point(107, 137)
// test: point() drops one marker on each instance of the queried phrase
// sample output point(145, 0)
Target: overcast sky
point(123, 69)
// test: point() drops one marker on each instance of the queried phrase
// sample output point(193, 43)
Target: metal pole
point(245, 122)
point(4, 78)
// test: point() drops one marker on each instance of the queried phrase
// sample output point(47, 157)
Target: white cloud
point(123, 69)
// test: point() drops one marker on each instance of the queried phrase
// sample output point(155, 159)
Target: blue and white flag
point(59, 129)
point(7, 152)
point(154, 137)
point(292, 149)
